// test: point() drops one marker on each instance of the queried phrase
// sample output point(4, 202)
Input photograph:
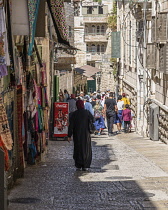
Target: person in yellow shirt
point(125, 99)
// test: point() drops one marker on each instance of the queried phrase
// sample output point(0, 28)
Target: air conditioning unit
point(153, 122)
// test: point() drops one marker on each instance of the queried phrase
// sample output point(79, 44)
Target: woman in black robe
point(79, 128)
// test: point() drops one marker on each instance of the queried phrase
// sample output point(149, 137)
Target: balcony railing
point(95, 33)
point(95, 18)
point(95, 51)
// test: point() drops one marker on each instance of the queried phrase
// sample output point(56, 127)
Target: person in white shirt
point(120, 106)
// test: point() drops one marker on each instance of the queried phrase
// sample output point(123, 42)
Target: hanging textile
point(46, 97)
point(57, 11)
point(10, 35)
point(4, 128)
point(19, 124)
point(40, 119)
point(43, 75)
point(33, 6)
point(8, 100)
point(46, 120)
point(6, 156)
point(4, 54)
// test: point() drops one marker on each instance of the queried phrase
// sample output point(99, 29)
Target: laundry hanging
point(33, 6)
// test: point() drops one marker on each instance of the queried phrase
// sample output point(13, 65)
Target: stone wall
point(162, 89)
point(163, 125)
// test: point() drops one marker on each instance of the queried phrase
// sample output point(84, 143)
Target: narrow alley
point(127, 172)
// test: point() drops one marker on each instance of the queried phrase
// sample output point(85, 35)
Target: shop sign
point(115, 42)
point(61, 112)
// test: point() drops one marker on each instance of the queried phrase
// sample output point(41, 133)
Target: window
point(76, 9)
point(98, 29)
point(86, 30)
point(87, 48)
point(93, 49)
point(98, 49)
point(91, 90)
point(100, 11)
point(102, 30)
point(70, 31)
point(89, 10)
point(102, 48)
point(93, 29)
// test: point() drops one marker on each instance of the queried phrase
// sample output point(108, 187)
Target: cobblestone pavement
point(127, 172)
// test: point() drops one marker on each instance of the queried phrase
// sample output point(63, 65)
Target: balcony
point(91, 18)
point(94, 56)
point(96, 37)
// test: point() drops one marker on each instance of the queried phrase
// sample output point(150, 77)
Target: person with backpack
point(110, 108)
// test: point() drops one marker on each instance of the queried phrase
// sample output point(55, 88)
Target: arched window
point(86, 30)
point(89, 10)
point(98, 29)
point(87, 48)
point(70, 31)
point(100, 11)
point(98, 49)
point(102, 48)
point(93, 29)
point(102, 30)
point(93, 48)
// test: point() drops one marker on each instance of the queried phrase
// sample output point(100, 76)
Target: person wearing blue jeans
point(110, 108)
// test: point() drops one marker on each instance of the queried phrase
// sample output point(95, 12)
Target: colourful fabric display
point(40, 123)
point(46, 98)
point(43, 75)
point(57, 11)
point(45, 113)
point(33, 6)
point(4, 55)
point(6, 156)
point(4, 128)
point(43, 97)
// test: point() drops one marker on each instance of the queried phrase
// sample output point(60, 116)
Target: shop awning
point(57, 10)
point(87, 70)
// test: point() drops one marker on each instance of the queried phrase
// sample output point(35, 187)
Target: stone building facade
point(92, 38)
point(64, 56)
point(143, 73)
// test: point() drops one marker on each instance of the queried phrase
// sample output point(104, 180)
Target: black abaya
point(82, 141)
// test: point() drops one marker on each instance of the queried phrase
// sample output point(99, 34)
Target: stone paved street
point(127, 172)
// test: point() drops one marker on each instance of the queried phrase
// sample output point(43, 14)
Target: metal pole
point(3, 191)
point(145, 89)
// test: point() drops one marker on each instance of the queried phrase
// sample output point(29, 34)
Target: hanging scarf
point(33, 6)
point(4, 55)
point(6, 156)
point(4, 128)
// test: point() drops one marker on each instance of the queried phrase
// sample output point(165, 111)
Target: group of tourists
point(103, 110)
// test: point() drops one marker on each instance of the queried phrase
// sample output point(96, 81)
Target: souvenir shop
point(24, 102)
